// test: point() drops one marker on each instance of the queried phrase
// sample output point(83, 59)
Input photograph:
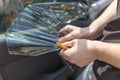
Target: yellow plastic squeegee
point(62, 46)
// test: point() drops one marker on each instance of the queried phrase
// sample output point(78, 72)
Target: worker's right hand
point(74, 32)
point(81, 51)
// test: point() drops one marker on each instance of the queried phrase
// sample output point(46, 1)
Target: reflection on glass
point(35, 30)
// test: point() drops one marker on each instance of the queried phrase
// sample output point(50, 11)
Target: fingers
point(69, 43)
point(68, 37)
point(67, 28)
point(70, 32)
point(69, 56)
point(66, 54)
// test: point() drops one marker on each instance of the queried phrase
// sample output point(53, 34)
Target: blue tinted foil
point(36, 29)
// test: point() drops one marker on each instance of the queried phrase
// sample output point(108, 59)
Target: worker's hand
point(81, 53)
point(74, 32)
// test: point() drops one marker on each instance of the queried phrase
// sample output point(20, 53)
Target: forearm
point(104, 18)
point(108, 52)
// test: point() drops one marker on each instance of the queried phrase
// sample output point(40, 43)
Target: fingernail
point(59, 40)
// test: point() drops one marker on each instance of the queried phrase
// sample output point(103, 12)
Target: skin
point(83, 49)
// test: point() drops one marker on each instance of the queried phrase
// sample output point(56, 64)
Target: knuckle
point(72, 61)
point(61, 52)
point(71, 35)
point(65, 38)
point(68, 56)
point(67, 27)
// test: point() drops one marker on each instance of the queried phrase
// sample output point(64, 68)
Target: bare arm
point(108, 52)
point(94, 30)
point(104, 18)
point(83, 52)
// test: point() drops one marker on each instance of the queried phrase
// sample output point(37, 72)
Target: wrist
point(96, 26)
point(93, 49)
point(99, 50)
point(96, 49)
point(95, 30)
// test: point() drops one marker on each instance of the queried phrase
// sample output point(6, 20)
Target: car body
point(48, 66)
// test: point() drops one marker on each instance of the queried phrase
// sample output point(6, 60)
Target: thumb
point(69, 43)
